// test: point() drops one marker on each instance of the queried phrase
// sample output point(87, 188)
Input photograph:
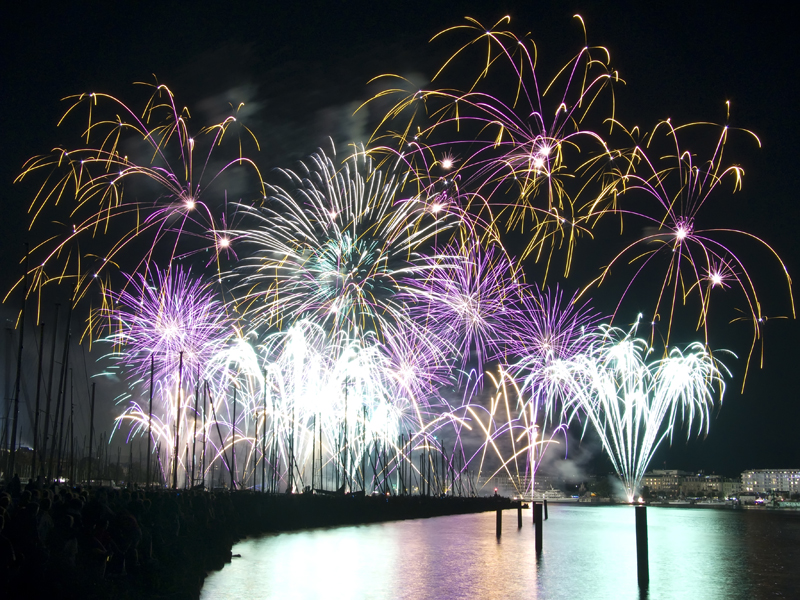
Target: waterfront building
point(765, 481)
point(664, 481)
point(702, 485)
point(673, 483)
point(731, 488)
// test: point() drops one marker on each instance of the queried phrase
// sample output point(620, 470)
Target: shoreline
point(178, 567)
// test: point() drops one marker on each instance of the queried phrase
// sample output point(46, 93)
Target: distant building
point(664, 481)
point(731, 488)
point(674, 483)
point(702, 485)
point(765, 481)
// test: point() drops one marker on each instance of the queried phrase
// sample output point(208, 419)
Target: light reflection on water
point(589, 552)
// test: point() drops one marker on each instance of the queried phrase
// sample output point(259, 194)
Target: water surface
point(589, 552)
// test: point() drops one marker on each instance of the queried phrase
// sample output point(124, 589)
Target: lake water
point(588, 552)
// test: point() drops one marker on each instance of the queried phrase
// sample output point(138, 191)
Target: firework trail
point(146, 192)
point(699, 261)
point(553, 328)
point(513, 441)
point(513, 161)
point(336, 400)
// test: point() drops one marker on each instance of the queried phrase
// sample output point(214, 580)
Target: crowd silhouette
point(76, 542)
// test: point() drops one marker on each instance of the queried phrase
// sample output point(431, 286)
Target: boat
point(553, 495)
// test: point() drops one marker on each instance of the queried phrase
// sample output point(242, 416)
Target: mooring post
point(642, 567)
point(537, 521)
point(545, 508)
point(519, 515)
point(499, 522)
point(533, 512)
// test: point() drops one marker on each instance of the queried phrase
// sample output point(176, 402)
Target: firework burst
point(470, 301)
point(332, 317)
point(167, 317)
point(522, 157)
point(634, 404)
point(152, 191)
point(697, 259)
point(336, 245)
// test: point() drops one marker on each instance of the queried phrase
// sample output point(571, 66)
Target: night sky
point(303, 66)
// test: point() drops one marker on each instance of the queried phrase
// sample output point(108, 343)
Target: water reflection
point(589, 552)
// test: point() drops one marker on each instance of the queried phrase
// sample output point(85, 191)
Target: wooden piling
point(519, 515)
point(642, 566)
point(537, 520)
point(544, 503)
point(499, 522)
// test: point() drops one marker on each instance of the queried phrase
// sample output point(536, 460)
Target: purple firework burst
point(470, 301)
point(553, 328)
point(163, 316)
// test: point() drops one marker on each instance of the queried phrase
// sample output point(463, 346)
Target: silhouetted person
point(15, 487)
point(8, 557)
point(63, 546)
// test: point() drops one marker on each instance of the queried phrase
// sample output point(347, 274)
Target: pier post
point(545, 508)
point(642, 566)
point(533, 512)
point(537, 521)
point(519, 515)
point(499, 522)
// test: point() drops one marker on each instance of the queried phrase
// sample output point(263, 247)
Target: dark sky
point(304, 64)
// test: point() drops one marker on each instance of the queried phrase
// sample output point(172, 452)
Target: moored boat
point(553, 495)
